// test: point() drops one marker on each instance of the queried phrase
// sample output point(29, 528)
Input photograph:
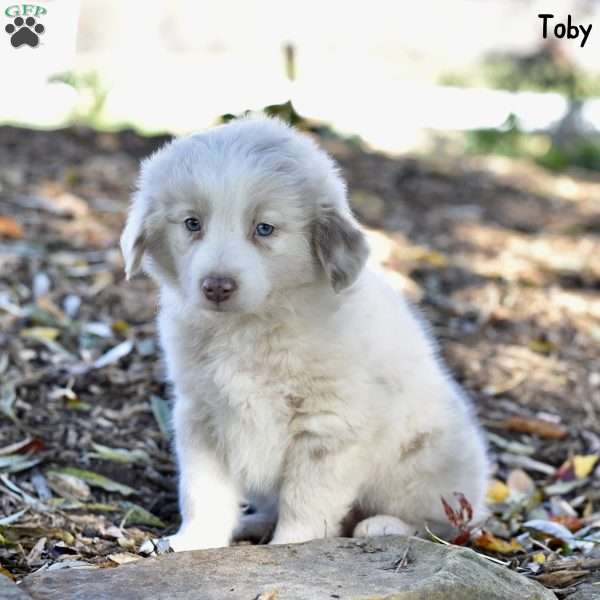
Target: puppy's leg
point(208, 498)
point(316, 495)
point(447, 464)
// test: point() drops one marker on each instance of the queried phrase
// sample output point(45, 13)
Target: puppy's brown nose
point(218, 289)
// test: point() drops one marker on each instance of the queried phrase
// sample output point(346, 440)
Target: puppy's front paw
point(192, 540)
point(383, 525)
point(292, 535)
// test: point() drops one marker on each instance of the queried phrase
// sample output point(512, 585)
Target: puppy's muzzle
point(218, 289)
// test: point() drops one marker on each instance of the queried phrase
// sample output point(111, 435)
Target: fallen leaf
point(542, 346)
point(572, 523)
point(122, 558)
point(564, 487)
point(137, 515)
point(491, 543)
point(505, 386)
point(114, 354)
point(566, 471)
point(7, 573)
point(41, 334)
point(497, 491)
point(539, 558)
point(68, 486)
point(10, 228)
point(120, 455)
point(120, 326)
point(17, 533)
point(95, 480)
point(36, 552)
point(47, 305)
point(519, 481)
point(583, 464)
point(525, 462)
point(14, 463)
point(559, 579)
point(162, 414)
point(511, 446)
point(549, 528)
point(9, 519)
point(532, 426)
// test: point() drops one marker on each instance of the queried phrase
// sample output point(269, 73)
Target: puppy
point(297, 371)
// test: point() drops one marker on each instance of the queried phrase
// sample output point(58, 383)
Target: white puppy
point(297, 370)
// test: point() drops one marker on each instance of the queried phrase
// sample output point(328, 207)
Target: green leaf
point(120, 455)
point(8, 398)
point(16, 533)
point(162, 414)
point(137, 515)
point(95, 480)
point(13, 463)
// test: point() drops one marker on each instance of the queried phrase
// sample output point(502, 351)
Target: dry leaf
point(583, 465)
point(549, 529)
point(41, 334)
point(94, 480)
point(491, 543)
point(542, 346)
point(68, 486)
point(539, 558)
point(570, 522)
point(122, 558)
point(10, 228)
point(114, 355)
point(559, 579)
point(537, 427)
point(519, 481)
point(7, 573)
point(497, 491)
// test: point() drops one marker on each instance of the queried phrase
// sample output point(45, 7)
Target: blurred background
point(383, 74)
point(471, 148)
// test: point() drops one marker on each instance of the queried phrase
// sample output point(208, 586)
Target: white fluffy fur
point(315, 382)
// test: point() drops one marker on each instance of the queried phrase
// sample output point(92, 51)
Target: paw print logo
point(24, 32)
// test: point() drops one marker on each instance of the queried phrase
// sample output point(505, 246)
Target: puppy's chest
point(259, 391)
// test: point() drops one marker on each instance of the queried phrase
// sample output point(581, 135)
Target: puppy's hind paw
point(383, 525)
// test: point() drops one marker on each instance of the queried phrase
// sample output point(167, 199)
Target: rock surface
point(10, 590)
point(390, 568)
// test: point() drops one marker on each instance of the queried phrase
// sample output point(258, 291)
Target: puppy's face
point(241, 216)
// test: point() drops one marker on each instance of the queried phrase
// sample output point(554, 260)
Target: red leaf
point(453, 517)
point(465, 507)
point(35, 445)
point(462, 538)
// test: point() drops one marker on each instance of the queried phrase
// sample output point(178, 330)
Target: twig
point(439, 540)
point(582, 563)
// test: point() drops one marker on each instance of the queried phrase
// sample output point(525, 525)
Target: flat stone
point(390, 568)
point(586, 592)
point(10, 590)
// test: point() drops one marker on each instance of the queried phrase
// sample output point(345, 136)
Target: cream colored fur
point(316, 382)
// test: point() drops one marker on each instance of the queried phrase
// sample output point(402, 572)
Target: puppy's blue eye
point(193, 224)
point(264, 229)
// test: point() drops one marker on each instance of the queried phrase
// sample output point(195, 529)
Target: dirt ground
point(503, 257)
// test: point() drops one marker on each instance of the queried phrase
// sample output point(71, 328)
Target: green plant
point(92, 95)
point(510, 140)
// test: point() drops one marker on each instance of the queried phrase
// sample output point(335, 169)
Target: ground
point(502, 256)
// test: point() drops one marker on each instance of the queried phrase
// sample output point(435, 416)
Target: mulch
point(503, 257)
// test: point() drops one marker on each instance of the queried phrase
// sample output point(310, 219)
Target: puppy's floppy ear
point(134, 237)
point(340, 247)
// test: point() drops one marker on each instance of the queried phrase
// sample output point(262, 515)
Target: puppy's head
point(240, 216)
